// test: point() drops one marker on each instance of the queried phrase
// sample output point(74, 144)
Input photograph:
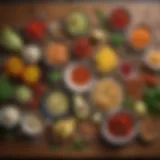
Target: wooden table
point(20, 14)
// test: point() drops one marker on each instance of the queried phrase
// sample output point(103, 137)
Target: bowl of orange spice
point(78, 77)
point(139, 37)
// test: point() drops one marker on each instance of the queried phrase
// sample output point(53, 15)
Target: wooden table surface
point(20, 14)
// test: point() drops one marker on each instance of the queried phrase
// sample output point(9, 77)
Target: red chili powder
point(119, 18)
point(80, 75)
point(120, 124)
point(82, 48)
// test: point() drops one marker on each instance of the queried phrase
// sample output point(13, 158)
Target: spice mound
point(106, 94)
point(82, 48)
point(140, 37)
point(106, 59)
point(120, 124)
point(80, 75)
point(119, 18)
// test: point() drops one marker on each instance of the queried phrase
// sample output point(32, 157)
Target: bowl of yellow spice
point(106, 59)
point(152, 59)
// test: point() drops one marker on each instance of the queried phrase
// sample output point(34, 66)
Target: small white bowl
point(71, 85)
point(119, 141)
point(148, 62)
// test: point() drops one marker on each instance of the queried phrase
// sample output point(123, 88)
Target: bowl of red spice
point(120, 127)
point(78, 77)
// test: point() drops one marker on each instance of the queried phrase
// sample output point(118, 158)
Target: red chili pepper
point(35, 29)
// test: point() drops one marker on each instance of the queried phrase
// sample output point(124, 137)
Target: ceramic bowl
point(119, 141)
point(71, 85)
point(148, 62)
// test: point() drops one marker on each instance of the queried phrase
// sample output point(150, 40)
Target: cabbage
point(10, 40)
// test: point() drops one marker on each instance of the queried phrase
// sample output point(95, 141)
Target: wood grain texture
point(21, 14)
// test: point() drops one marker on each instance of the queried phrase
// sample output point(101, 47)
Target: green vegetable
point(151, 97)
point(77, 23)
point(6, 88)
point(10, 40)
point(79, 144)
point(128, 102)
point(117, 39)
point(53, 76)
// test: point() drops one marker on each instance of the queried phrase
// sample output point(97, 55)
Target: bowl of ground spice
point(139, 37)
point(120, 127)
point(78, 77)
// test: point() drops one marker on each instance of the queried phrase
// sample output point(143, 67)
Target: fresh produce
point(152, 99)
point(65, 128)
point(10, 40)
point(117, 39)
point(76, 23)
point(31, 74)
point(6, 88)
point(14, 66)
